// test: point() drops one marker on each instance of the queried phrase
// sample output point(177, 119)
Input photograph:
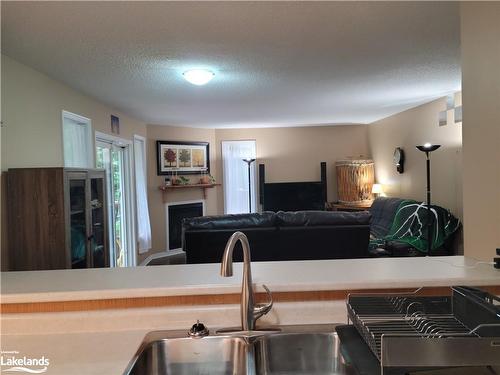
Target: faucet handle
point(263, 309)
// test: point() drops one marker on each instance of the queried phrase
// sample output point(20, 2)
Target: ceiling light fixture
point(198, 77)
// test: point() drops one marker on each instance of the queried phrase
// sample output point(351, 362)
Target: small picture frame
point(115, 124)
point(179, 157)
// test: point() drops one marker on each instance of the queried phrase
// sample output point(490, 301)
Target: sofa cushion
point(317, 218)
point(238, 221)
point(383, 211)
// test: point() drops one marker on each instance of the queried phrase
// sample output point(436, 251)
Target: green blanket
point(409, 226)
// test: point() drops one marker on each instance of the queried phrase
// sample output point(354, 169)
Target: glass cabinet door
point(97, 223)
point(78, 222)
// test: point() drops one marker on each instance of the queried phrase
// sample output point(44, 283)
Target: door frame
point(129, 178)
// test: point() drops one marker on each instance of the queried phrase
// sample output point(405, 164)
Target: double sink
point(307, 349)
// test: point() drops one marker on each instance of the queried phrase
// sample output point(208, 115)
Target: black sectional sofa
point(301, 235)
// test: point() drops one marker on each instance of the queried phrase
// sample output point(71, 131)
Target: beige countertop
point(99, 353)
point(103, 342)
point(203, 279)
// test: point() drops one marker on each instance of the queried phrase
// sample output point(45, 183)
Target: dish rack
point(411, 330)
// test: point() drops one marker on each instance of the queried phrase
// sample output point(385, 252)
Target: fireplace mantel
point(165, 188)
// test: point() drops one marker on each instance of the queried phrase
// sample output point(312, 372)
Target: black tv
point(294, 196)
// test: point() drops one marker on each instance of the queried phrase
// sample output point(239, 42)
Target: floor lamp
point(428, 148)
point(249, 163)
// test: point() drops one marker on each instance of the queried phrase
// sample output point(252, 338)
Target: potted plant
point(183, 180)
point(204, 178)
point(175, 179)
point(207, 179)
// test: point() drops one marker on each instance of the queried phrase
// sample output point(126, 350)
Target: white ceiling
point(276, 63)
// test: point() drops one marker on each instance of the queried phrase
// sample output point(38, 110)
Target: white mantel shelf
point(204, 279)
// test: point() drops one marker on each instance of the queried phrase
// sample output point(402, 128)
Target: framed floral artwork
point(175, 157)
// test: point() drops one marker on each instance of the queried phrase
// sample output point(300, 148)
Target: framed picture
point(115, 124)
point(182, 157)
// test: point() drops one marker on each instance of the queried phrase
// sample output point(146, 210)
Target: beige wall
point(294, 154)
point(156, 205)
point(406, 130)
point(32, 130)
point(31, 108)
point(480, 33)
point(290, 154)
point(32, 104)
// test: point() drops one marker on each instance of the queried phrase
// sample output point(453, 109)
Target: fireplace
point(175, 213)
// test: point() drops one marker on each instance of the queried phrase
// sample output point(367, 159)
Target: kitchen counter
point(104, 341)
point(99, 353)
point(204, 279)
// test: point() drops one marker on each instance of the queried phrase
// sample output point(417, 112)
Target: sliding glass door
point(114, 159)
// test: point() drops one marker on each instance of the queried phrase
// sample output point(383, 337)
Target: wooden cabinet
point(57, 218)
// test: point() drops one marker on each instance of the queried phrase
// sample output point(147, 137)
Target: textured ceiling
point(276, 63)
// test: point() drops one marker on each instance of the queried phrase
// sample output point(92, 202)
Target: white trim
point(167, 205)
point(113, 139)
point(91, 140)
point(130, 178)
point(140, 137)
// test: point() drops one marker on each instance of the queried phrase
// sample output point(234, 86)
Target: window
point(143, 223)
point(77, 141)
point(236, 180)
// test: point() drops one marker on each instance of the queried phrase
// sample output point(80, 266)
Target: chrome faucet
point(249, 313)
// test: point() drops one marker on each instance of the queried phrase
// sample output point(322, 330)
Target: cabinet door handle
point(91, 237)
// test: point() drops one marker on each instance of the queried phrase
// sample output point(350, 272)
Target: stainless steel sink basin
point(220, 355)
point(292, 350)
point(298, 353)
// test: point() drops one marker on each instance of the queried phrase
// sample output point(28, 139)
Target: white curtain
point(235, 172)
point(76, 143)
point(143, 223)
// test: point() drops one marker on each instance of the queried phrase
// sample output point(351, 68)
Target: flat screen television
point(294, 196)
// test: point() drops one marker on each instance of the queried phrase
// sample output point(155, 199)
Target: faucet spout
point(249, 313)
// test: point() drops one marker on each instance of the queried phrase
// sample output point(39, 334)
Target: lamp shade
point(377, 189)
point(428, 147)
